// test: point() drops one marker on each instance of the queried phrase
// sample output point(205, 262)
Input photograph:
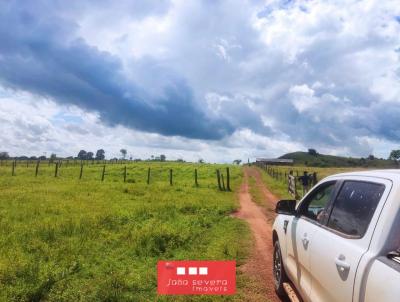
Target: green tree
point(4, 155)
point(100, 154)
point(394, 155)
point(312, 152)
point(123, 152)
point(237, 161)
point(163, 157)
point(89, 155)
point(82, 154)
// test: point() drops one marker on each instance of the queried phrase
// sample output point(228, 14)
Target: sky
point(213, 79)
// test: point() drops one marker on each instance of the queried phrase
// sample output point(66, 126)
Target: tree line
point(86, 155)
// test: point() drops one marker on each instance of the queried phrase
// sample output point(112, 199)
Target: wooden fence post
point(223, 183)
point(13, 168)
point(81, 172)
point(219, 180)
point(314, 178)
point(104, 171)
point(37, 168)
point(125, 174)
point(170, 177)
point(292, 187)
point(148, 176)
point(228, 181)
point(195, 178)
point(56, 170)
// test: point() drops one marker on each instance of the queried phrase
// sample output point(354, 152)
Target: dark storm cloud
point(313, 73)
point(41, 54)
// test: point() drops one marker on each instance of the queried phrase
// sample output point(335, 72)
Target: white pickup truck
point(341, 241)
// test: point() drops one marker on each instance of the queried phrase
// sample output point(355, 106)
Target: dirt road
point(259, 265)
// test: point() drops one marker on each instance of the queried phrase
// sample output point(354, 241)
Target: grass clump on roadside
point(258, 197)
point(255, 192)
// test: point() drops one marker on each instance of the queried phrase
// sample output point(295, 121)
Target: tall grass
point(65, 239)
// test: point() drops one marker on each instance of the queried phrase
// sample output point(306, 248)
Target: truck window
point(354, 207)
point(316, 204)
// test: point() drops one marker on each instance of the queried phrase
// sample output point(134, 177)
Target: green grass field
point(65, 239)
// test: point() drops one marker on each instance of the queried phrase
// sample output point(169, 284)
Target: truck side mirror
point(394, 255)
point(286, 207)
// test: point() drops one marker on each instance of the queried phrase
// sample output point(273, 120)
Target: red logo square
point(196, 277)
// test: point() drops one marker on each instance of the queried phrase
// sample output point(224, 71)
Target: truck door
point(339, 245)
point(300, 233)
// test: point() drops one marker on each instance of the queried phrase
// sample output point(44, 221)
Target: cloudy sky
point(211, 79)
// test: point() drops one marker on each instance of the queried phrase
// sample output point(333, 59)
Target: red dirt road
point(259, 265)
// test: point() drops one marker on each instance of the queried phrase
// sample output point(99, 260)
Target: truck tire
point(279, 273)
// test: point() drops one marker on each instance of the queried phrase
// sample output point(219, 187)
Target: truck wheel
point(278, 270)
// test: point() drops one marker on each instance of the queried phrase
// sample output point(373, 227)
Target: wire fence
point(298, 182)
point(171, 173)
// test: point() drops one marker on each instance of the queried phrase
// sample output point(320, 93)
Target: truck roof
point(392, 174)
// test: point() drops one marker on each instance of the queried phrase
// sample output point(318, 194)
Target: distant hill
point(321, 160)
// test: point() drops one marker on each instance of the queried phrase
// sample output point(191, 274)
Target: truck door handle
point(341, 264)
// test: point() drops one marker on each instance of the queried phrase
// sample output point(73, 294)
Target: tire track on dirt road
point(259, 264)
